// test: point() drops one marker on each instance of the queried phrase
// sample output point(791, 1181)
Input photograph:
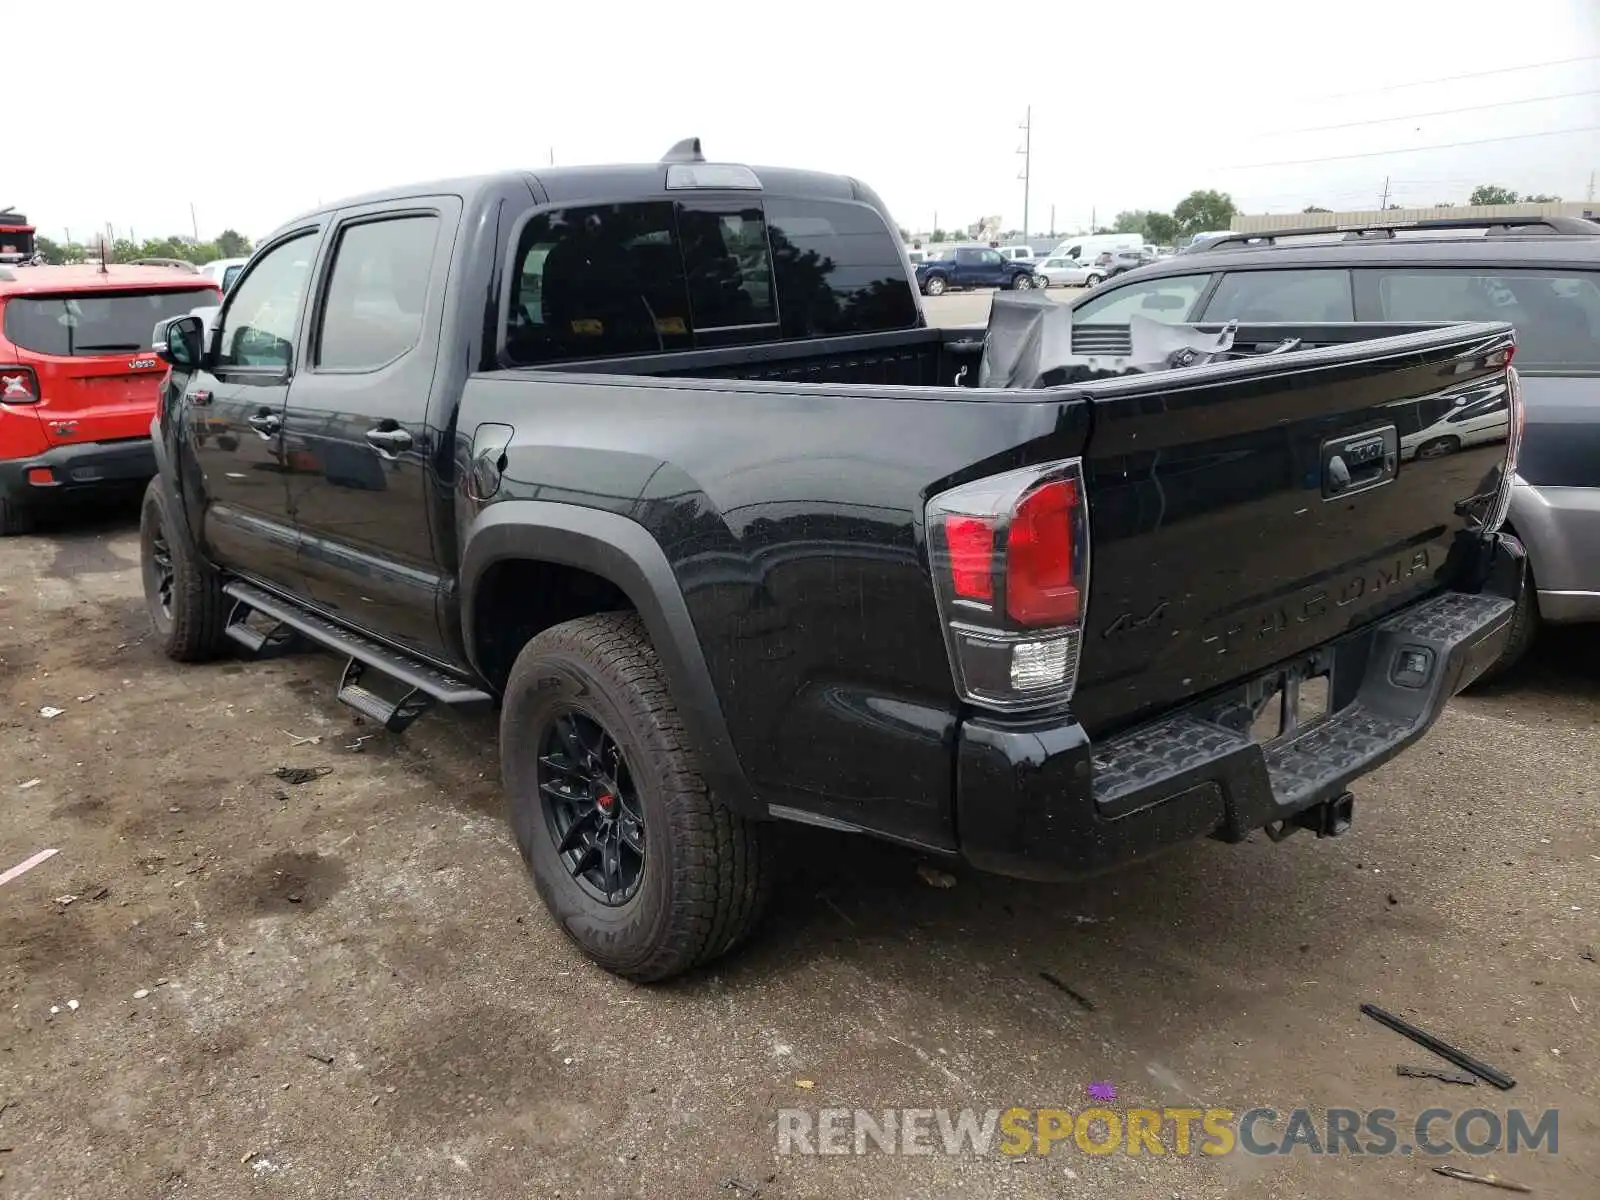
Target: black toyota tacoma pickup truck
point(665, 461)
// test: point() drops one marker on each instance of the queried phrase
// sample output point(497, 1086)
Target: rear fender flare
point(624, 552)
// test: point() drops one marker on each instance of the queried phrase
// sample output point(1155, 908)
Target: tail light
point(1010, 558)
point(18, 385)
point(1518, 417)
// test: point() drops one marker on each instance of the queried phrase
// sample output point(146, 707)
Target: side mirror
point(178, 342)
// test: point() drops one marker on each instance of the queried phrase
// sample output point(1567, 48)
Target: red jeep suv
point(78, 381)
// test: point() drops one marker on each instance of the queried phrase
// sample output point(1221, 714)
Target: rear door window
point(1168, 300)
point(377, 293)
point(95, 323)
point(1556, 313)
point(1282, 296)
point(838, 270)
point(601, 280)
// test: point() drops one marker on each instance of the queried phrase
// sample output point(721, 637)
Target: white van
point(1085, 247)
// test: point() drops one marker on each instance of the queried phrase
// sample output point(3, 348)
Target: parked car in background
point(79, 378)
point(1017, 253)
point(1542, 274)
point(973, 267)
point(1061, 271)
point(1108, 264)
point(1084, 247)
point(224, 270)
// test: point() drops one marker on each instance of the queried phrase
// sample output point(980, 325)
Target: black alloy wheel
point(591, 807)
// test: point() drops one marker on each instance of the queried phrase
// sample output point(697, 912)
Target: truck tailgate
point(1246, 512)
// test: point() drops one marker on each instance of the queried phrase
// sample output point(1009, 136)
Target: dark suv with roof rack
point(1542, 274)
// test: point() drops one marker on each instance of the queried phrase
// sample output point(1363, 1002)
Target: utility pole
point(1591, 185)
point(194, 221)
point(935, 221)
point(1093, 224)
point(1383, 201)
point(1052, 220)
point(1027, 164)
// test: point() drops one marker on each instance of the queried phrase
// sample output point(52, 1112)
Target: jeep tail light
point(1518, 417)
point(18, 385)
point(1010, 556)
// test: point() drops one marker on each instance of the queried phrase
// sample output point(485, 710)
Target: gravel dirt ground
point(226, 984)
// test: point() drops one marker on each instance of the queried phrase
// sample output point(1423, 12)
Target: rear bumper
point(1561, 528)
point(1041, 802)
point(77, 469)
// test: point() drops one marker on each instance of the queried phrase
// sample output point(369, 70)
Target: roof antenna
point(103, 269)
point(686, 151)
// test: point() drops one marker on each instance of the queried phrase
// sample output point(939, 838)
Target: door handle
point(389, 441)
point(266, 424)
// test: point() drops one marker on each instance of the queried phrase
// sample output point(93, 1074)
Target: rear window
point(229, 274)
point(95, 322)
point(645, 278)
point(838, 268)
point(1557, 314)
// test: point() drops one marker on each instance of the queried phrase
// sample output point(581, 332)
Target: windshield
point(95, 323)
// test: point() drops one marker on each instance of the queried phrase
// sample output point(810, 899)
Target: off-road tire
point(14, 519)
point(707, 870)
point(1524, 629)
point(190, 627)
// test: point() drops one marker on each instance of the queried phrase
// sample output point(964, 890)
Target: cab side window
point(1282, 296)
point(1168, 300)
point(263, 312)
point(377, 293)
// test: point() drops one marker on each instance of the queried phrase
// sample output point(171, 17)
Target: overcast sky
point(129, 113)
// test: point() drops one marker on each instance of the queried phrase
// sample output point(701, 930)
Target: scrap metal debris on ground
point(299, 775)
point(1439, 1073)
point(1493, 1181)
point(1444, 1050)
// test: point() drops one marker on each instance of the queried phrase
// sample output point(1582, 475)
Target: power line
point(1441, 112)
point(1515, 137)
point(1395, 87)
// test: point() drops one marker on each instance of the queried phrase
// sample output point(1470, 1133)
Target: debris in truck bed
point(934, 877)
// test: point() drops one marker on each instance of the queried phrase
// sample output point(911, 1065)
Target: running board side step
point(423, 684)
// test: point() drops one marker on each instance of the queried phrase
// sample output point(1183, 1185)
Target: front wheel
point(1439, 447)
point(182, 593)
point(934, 287)
point(1092, 280)
point(1021, 283)
point(638, 863)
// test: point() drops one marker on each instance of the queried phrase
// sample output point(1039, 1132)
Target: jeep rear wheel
point(638, 863)
point(182, 593)
point(14, 519)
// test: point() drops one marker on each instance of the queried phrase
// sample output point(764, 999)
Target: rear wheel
point(182, 593)
point(1438, 447)
point(14, 519)
point(639, 864)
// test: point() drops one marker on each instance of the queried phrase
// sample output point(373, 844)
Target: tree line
point(1209, 209)
point(227, 244)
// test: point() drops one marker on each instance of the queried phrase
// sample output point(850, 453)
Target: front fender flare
point(622, 551)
